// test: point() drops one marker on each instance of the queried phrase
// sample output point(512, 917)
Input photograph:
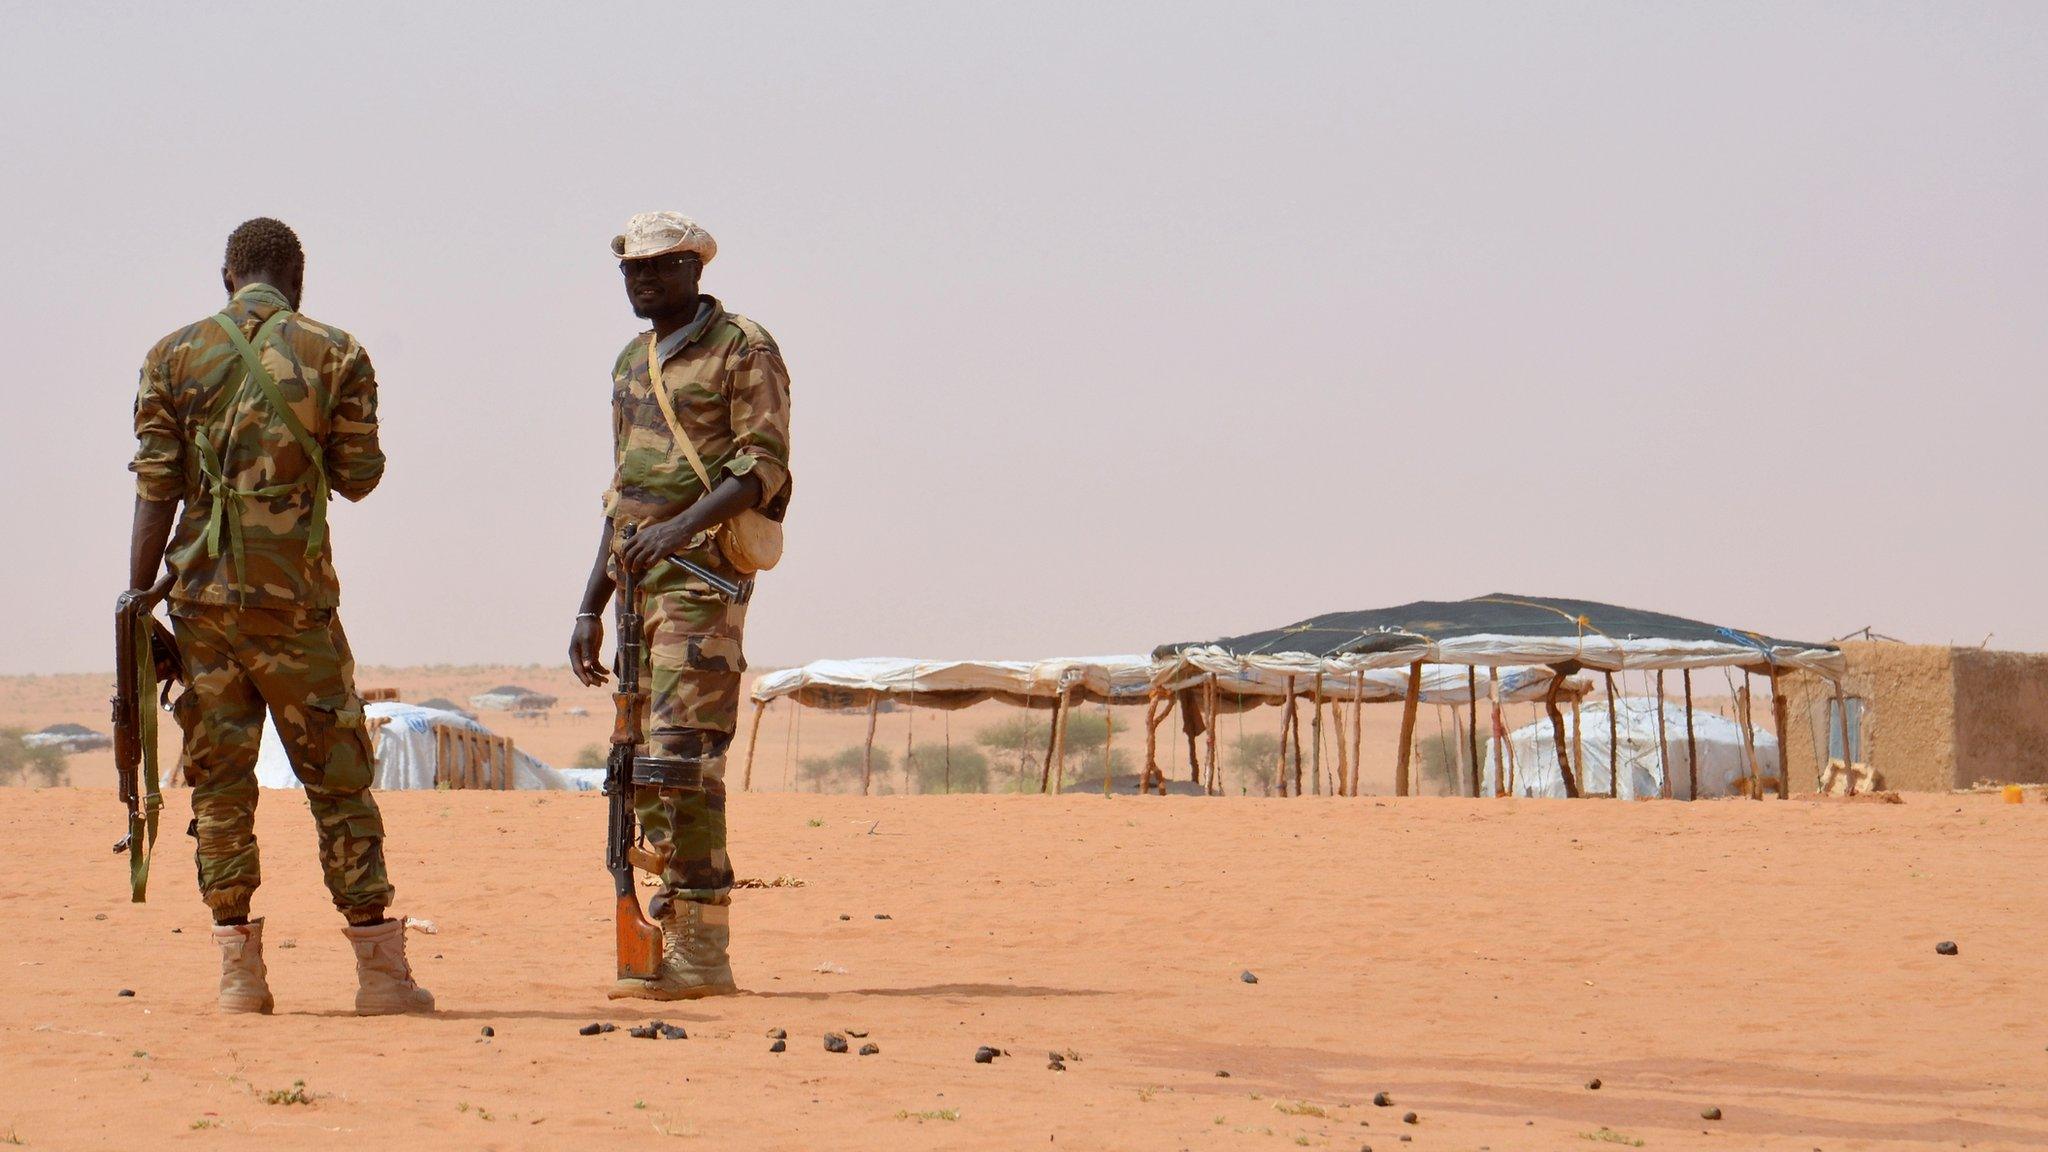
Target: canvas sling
point(750, 540)
point(228, 499)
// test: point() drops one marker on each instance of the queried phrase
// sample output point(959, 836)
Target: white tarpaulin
point(959, 683)
point(405, 754)
point(1722, 765)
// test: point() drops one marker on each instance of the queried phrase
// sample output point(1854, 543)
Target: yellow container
point(2014, 794)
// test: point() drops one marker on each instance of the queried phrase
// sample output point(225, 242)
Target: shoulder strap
point(317, 534)
point(668, 413)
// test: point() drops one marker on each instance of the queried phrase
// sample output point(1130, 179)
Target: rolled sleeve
point(760, 422)
point(159, 463)
point(355, 460)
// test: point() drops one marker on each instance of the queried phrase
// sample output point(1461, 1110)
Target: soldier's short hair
point(264, 245)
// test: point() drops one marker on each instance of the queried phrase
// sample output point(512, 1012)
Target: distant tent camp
point(1530, 760)
point(68, 738)
point(511, 698)
point(409, 751)
point(443, 704)
point(1502, 629)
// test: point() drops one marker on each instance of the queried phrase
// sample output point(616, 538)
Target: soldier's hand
point(586, 645)
point(657, 542)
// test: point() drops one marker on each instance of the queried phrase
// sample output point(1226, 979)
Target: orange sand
point(1479, 960)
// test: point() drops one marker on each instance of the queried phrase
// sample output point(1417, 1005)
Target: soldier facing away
point(248, 419)
point(723, 387)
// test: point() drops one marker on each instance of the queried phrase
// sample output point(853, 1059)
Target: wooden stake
point(1295, 718)
point(1108, 743)
point(1357, 730)
point(867, 761)
point(1316, 739)
point(753, 738)
point(949, 751)
point(1564, 764)
point(1613, 741)
point(1472, 732)
point(1779, 721)
point(1402, 752)
point(1579, 737)
point(1286, 724)
point(1212, 788)
point(1842, 714)
point(1692, 744)
point(1343, 752)
point(1152, 718)
point(1500, 732)
point(1663, 745)
point(1059, 744)
point(1742, 711)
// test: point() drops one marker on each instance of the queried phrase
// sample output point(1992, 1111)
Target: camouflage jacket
point(731, 394)
point(244, 539)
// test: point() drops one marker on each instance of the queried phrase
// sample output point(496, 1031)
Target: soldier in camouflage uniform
point(249, 419)
point(729, 392)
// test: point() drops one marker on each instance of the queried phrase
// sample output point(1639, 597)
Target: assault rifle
point(639, 939)
point(146, 664)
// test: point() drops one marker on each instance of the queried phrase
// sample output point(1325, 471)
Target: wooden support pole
point(1152, 718)
point(1613, 741)
point(1743, 700)
point(1564, 763)
point(1472, 732)
point(867, 763)
point(1500, 733)
point(1407, 745)
point(1663, 744)
point(1692, 744)
point(1316, 737)
point(1108, 743)
point(1212, 788)
point(1357, 730)
point(1343, 750)
point(1780, 721)
point(1294, 719)
point(1579, 737)
point(1280, 756)
point(753, 738)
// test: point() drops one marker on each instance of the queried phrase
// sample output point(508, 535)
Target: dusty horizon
point(1107, 328)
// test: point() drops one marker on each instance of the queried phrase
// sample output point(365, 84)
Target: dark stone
point(645, 1032)
point(1247, 977)
point(1410, 1118)
point(488, 1031)
point(1056, 1066)
point(777, 1034)
point(834, 1042)
point(607, 1027)
point(1593, 1085)
point(1225, 1075)
point(125, 992)
point(883, 916)
point(590, 1030)
point(673, 1032)
point(844, 916)
point(779, 1046)
point(1946, 948)
point(1382, 1100)
point(1710, 1113)
point(857, 1033)
point(984, 1055)
point(870, 1049)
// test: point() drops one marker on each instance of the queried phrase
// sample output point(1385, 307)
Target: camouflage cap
point(660, 233)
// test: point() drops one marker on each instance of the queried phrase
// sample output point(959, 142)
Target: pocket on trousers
point(335, 731)
point(186, 710)
point(711, 653)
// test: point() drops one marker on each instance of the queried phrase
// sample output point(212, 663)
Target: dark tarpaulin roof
point(1498, 614)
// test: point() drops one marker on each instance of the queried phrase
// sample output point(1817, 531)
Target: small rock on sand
point(1055, 1066)
point(1382, 1100)
point(984, 1055)
point(1946, 948)
point(125, 992)
point(673, 1032)
point(857, 1033)
point(1410, 1118)
point(777, 1034)
point(883, 916)
point(834, 1042)
point(779, 1046)
point(1225, 1075)
point(489, 1031)
point(1593, 1085)
point(644, 1032)
point(870, 1049)
point(590, 1030)
point(844, 916)
point(1710, 1113)
point(1247, 977)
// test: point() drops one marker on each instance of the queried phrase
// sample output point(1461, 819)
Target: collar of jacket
point(709, 313)
point(260, 295)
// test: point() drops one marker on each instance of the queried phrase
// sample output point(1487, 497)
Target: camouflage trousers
point(296, 665)
point(692, 668)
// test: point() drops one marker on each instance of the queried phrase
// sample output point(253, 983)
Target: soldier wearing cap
point(250, 419)
point(700, 426)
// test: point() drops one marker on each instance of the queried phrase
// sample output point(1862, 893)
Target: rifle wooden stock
point(638, 939)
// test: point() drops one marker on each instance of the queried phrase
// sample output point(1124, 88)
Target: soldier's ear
point(227, 281)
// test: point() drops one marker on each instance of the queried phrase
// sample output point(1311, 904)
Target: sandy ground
point(1481, 961)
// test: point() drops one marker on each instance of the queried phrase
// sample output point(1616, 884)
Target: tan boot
point(384, 979)
point(243, 983)
point(694, 938)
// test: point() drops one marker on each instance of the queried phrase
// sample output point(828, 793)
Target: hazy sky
point(1109, 324)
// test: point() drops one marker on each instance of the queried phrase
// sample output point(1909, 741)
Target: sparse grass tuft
point(1606, 1135)
point(933, 1114)
point(1304, 1108)
point(12, 1137)
point(203, 1123)
point(815, 822)
point(296, 1094)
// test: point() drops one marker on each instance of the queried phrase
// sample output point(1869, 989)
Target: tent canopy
point(406, 754)
point(1723, 763)
point(1500, 629)
point(953, 684)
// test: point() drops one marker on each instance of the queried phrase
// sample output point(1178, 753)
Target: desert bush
point(590, 756)
point(969, 772)
point(21, 764)
point(829, 773)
